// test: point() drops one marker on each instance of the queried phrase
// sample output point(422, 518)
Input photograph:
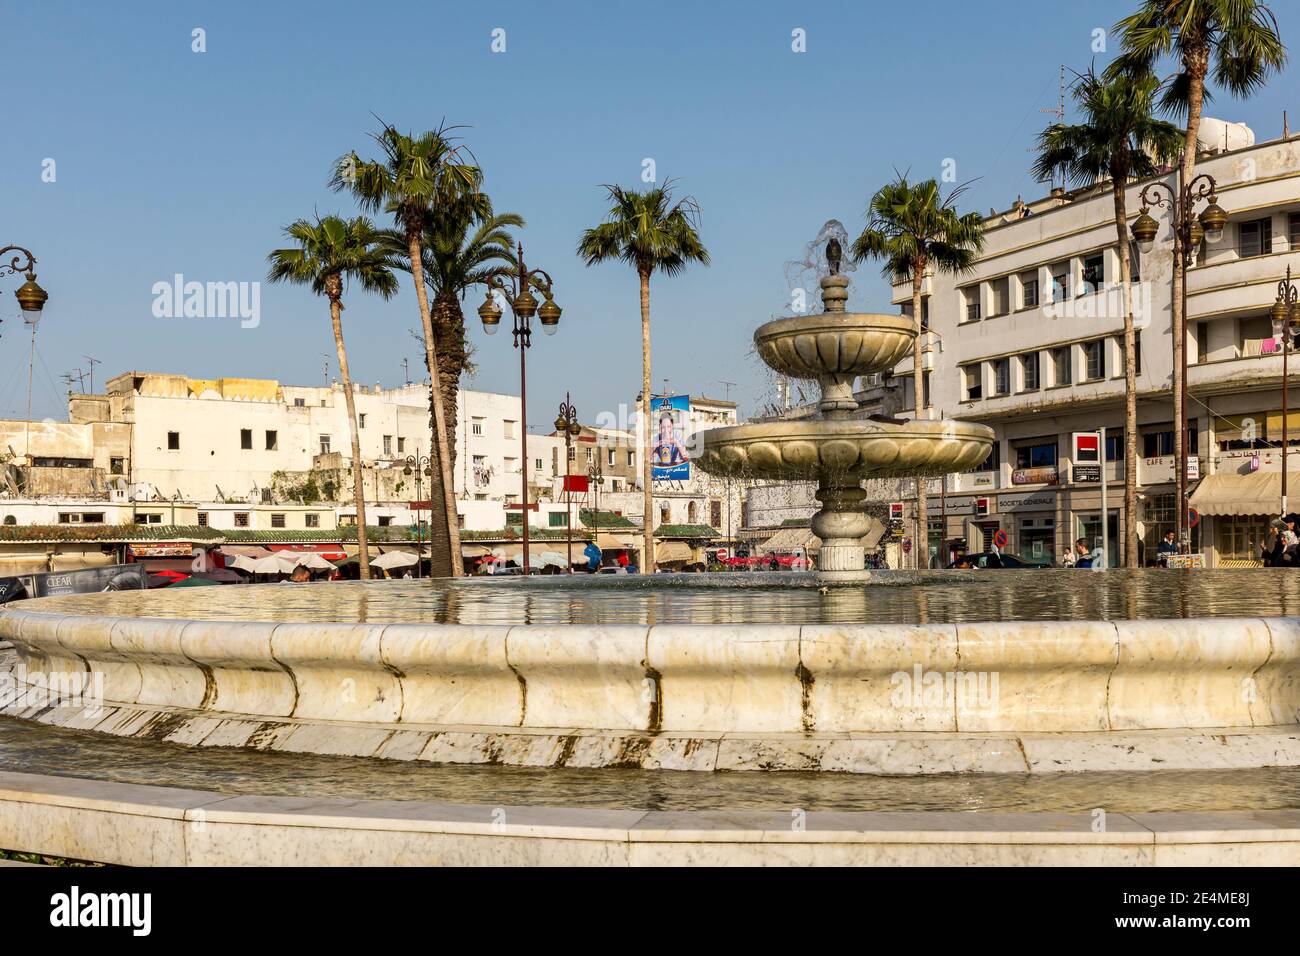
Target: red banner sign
point(575, 483)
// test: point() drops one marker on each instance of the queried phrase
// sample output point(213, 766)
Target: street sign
point(981, 507)
point(907, 545)
point(1193, 467)
point(1000, 538)
point(1087, 448)
point(1193, 517)
point(895, 511)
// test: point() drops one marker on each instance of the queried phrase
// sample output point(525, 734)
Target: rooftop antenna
point(69, 378)
point(406, 368)
point(326, 356)
point(1059, 112)
point(93, 362)
point(728, 386)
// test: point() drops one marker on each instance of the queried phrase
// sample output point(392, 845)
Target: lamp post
point(421, 466)
point(31, 299)
point(595, 478)
point(1188, 231)
point(515, 284)
point(567, 423)
point(1286, 322)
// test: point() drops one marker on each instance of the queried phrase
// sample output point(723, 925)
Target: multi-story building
point(1030, 342)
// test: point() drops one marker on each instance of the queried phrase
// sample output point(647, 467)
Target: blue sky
point(170, 161)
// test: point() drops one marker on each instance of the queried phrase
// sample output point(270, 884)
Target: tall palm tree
point(463, 245)
point(1120, 140)
point(1239, 40)
point(912, 228)
point(651, 232)
point(329, 252)
point(413, 179)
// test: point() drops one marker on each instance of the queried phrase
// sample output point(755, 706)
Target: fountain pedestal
point(841, 524)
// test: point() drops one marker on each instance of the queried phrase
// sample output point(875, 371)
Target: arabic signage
point(162, 549)
point(1087, 474)
point(668, 458)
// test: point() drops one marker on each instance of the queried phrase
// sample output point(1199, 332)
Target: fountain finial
point(834, 255)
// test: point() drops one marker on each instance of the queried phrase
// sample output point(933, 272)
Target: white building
point(1030, 343)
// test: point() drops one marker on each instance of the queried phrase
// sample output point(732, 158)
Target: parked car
point(992, 559)
point(612, 569)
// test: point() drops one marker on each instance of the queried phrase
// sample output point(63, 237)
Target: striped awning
point(667, 551)
point(792, 539)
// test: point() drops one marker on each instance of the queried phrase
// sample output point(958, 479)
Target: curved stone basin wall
point(1023, 677)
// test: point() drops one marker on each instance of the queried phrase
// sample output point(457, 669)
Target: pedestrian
point(1168, 546)
point(1082, 558)
point(1067, 559)
point(1270, 549)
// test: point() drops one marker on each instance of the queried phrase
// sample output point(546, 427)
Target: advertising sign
point(1087, 474)
point(668, 456)
point(1045, 475)
point(116, 577)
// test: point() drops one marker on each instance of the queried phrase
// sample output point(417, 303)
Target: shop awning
point(74, 560)
point(330, 552)
point(666, 551)
point(1255, 494)
point(474, 550)
point(615, 542)
point(792, 539)
point(244, 550)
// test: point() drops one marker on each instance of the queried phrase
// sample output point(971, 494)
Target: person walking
point(1168, 546)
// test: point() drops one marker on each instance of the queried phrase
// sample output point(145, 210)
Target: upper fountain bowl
point(841, 344)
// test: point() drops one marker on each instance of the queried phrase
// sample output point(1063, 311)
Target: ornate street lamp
point(421, 466)
point(567, 424)
point(515, 285)
point(31, 297)
point(1286, 323)
point(1188, 232)
point(596, 479)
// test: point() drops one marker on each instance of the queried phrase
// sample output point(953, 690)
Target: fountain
point(841, 448)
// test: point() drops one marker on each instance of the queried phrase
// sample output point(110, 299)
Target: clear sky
point(170, 161)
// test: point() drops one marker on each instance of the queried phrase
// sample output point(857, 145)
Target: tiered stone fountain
point(841, 447)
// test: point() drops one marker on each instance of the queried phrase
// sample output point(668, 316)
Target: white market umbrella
point(241, 562)
point(395, 559)
point(272, 564)
point(552, 557)
point(310, 559)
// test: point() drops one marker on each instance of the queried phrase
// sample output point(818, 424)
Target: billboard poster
point(668, 456)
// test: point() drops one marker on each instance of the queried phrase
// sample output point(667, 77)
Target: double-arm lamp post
point(566, 423)
point(595, 479)
point(1188, 232)
point(516, 285)
point(421, 466)
point(1286, 323)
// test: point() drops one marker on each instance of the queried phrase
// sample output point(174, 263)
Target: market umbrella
point(273, 564)
point(311, 559)
point(242, 562)
point(220, 576)
point(552, 557)
point(395, 559)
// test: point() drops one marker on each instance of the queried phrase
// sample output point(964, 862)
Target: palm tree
point(913, 229)
point(1239, 39)
point(330, 251)
point(461, 246)
point(1119, 140)
point(651, 232)
point(415, 177)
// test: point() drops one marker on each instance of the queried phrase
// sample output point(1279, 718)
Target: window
point(116, 466)
point(476, 427)
point(1000, 292)
point(971, 296)
point(1028, 290)
point(1060, 281)
point(173, 441)
point(557, 519)
point(10, 520)
point(324, 444)
point(1029, 368)
point(1001, 376)
point(1293, 230)
point(664, 514)
point(971, 384)
point(1061, 365)
point(1094, 354)
point(631, 459)
point(152, 518)
point(589, 456)
point(1114, 445)
point(1157, 444)
point(1137, 349)
point(277, 520)
point(573, 453)
point(609, 457)
point(385, 521)
point(925, 386)
point(537, 465)
point(1094, 267)
point(203, 519)
point(92, 517)
point(246, 438)
point(1040, 454)
point(311, 520)
point(299, 402)
point(993, 462)
point(925, 311)
point(401, 444)
point(388, 444)
point(511, 466)
point(715, 512)
point(69, 517)
point(1255, 237)
point(508, 428)
point(241, 519)
point(1134, 263)
point(272, 441)
point(361, 420)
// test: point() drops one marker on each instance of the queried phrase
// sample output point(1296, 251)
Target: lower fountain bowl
point(851, 449)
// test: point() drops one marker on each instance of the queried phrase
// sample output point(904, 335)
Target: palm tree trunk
point(444, 551)
point(918, 386)
point(647, 564)
point(358, 484)
point(1118, 180)
point(449, 332)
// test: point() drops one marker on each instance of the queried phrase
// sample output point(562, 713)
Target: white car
point(613, 569)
